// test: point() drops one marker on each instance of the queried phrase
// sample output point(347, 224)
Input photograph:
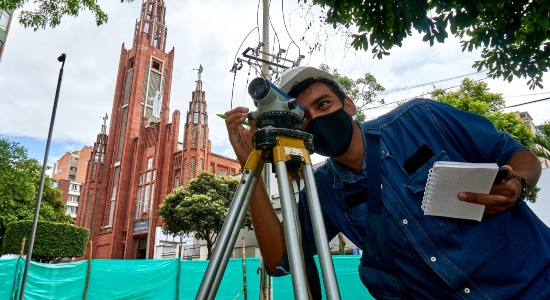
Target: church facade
point(140, 160)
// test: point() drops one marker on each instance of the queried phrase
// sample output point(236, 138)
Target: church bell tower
point(120, 207)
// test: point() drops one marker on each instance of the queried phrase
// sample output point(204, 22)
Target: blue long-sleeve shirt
point(501, 257)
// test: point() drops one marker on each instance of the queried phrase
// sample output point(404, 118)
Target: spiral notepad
point(446, 179)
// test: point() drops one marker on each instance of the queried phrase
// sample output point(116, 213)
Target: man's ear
point(349, 106)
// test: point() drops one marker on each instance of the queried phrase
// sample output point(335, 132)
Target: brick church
point(140, 160)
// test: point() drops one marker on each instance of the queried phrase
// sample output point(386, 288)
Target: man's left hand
point(502, 196)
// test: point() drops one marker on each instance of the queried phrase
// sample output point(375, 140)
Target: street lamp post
point(61, 59)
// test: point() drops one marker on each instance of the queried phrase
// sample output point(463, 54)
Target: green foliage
point(532, 195)
point(362, 91)
point(201, 208)
point(19, 182)
point(475, 97)
point(49, 12)
point(53, 241)
point(514, 34)
point(541, 142)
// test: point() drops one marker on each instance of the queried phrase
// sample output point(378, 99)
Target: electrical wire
point(286, 28)
point(234, 59)
point(528, 102)
point(525, 95)
point(274, 31)
point(428, 83)
point(258, 19)
point(407, 99)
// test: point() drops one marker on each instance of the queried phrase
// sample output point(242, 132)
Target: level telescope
point(274, 107)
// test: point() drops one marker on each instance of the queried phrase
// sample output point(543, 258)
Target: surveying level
point(288, 148)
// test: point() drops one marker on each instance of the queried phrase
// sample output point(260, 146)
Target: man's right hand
point(240, 137)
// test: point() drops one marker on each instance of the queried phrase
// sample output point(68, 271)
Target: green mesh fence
point(153, 279)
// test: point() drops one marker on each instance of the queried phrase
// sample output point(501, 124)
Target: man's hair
point(298, 88)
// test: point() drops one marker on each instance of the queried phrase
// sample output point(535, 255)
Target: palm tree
point(541, 141)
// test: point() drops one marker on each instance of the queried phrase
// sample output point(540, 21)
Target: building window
point(222, 173)
point(150, 11)
point(71, 209)
point(192, 168)
point(177, 184)
point(73, 198)
point(156, 65)
point(74, 187)
point(194, 137)
point(58, 171)
point(146, 189)
point(4, 18)
point(73, 169)
point(54, 184)
point(113, 198)
point(73, 177)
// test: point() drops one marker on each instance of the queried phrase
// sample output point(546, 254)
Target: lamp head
point(61, 57)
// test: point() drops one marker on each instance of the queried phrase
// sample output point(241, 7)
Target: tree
point(19, 180)
point(49, 13)
point(362, 91)
point(514, 34)
point(541, 142)
point(475, 97)
point(54, 241)
point(201, 208)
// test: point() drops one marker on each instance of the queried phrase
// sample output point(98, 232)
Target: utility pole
point(266, 293)
point(268, 60)
point(265, 41)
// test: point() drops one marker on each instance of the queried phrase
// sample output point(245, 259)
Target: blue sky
point(36, 147)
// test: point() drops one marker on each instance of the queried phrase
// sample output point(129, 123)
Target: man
point(405, 253)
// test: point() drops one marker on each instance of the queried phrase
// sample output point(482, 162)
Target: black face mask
point(332, 133)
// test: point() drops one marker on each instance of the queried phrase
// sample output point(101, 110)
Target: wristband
point(524, 187)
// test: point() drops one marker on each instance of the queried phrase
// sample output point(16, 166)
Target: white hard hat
point(292, 77)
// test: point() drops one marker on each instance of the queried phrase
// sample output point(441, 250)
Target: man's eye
point(322, 104)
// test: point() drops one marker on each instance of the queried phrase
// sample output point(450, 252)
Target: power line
point(529, 102)
point(428, 83)
point(526, 95)
point(407, 99)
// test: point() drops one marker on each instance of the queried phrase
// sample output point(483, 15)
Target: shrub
point(52, 242)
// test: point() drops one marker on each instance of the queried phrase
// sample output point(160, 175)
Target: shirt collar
point(342, 174)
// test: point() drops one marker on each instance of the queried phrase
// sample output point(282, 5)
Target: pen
point(223, 116)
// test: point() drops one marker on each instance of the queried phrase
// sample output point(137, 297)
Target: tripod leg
point(216, 264)
point(318, 224)
point(294, 248)
point(234, 235)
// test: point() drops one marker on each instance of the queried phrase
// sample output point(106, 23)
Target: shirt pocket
point(417, 181)
point(358, 215)
point(417, 184)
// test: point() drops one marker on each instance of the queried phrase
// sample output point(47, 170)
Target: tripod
point(285, 148)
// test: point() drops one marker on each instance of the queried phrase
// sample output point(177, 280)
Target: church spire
point(151, 24)
point(197, 106)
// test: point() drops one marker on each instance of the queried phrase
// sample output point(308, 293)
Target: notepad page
point(452, 178)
